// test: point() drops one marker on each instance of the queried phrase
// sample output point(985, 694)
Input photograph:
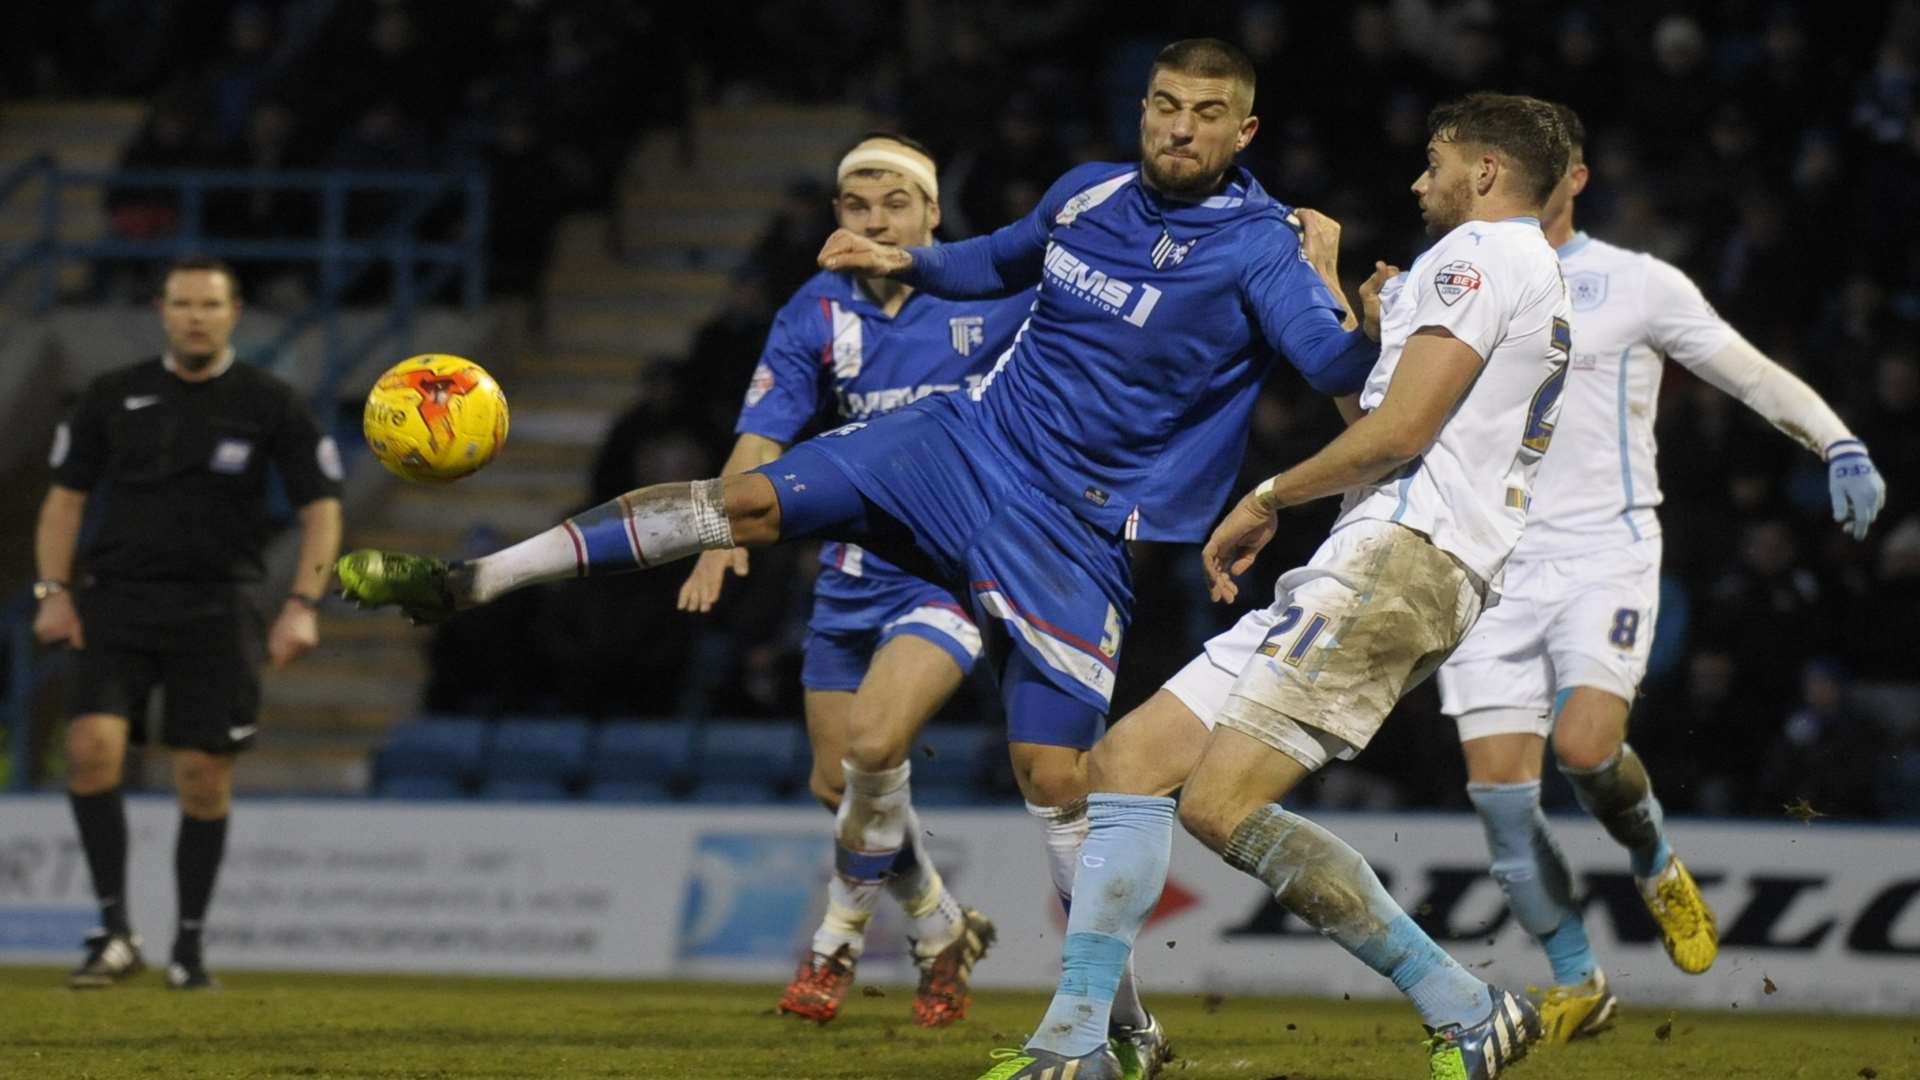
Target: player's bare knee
point(1206, 816)
point(204, 783)
point(1049, 775)
point(875, 748)
point(1582, 740)
point(753, 510)
point(96, 749)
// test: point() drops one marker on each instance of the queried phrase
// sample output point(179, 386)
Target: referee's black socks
point(196, 861)
point(102, 818)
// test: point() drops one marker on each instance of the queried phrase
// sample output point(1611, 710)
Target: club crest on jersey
point(1587, 290)
point(1167, 253)
point(967, 331)
point(761, 384)
point(1455, 280)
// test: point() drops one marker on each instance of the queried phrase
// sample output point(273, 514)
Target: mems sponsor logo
point(1133, 303)
point(859, 404)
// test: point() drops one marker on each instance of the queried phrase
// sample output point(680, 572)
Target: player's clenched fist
point(848, 250)
point(1370, 297)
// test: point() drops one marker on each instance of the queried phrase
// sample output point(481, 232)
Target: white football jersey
point(1496, 286)
point(1598, 488)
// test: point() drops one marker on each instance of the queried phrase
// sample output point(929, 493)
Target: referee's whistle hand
point(57, 622)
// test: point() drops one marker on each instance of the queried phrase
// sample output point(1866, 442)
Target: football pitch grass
point(402, 1028)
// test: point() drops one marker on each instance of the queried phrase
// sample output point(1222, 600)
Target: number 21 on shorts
point(1301, 643)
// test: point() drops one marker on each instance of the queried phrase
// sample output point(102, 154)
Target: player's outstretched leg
point(644, 528)
point(1136, 1036)
point(1534, 874)
point(1619, 795)
point(1475, 1030)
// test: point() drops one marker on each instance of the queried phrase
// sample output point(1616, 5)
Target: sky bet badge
point(1455, 280)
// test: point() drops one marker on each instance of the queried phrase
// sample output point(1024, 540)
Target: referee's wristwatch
point(49, 587)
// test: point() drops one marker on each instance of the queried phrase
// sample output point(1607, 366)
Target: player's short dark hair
point(1526, 131)
point(190, 264)
point(1576, 131)
point(1209, 58)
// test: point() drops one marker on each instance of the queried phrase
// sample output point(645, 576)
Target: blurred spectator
point(784, 256)
point(1767, 608)
point(241, 77)
point(1826, 749)
point(726, 348)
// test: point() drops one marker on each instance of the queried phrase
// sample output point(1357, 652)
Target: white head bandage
point(887, 154)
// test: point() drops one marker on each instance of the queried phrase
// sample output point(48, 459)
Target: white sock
point(1066, 832)
point(645, 527)
point(923, 895)
point(869, 832)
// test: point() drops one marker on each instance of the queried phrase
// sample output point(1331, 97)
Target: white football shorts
point(1368, 618)
point(1582, 620)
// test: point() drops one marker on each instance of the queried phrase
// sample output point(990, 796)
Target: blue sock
point(1619, 795)
point(1122, 869)
point(1316, 875)
point(1534, 875)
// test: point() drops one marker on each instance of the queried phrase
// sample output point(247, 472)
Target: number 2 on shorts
point(1288, 620)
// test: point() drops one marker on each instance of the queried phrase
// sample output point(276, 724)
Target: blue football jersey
point(834, 355)
point(1128, 395)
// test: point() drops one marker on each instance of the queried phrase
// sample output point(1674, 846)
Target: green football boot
point(1143, 1051)
point(421, 586)
point(1033, 1064)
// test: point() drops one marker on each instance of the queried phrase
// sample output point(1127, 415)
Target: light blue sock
point(1330, 887)
point(1123, 867)
point(1534, 875)
point(1619, 795)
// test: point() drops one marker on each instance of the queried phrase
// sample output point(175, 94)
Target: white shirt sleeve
point(1462, 295)
point(1778, 395)
point(1680, 323)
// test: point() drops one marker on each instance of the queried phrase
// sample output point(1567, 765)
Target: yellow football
point(435, 418)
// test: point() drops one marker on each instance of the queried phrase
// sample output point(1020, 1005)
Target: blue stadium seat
point(722, 790)
point(522, 789)
point(420, 787)
point(551, 751)
point(950, 755)
point(925, 795)
point(768, 753)
point(640, 750)
point(629, 791)
point(448, 747)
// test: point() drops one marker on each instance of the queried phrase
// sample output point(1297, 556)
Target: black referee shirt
point(182, 470)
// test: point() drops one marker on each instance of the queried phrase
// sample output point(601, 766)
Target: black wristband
point(311, 603)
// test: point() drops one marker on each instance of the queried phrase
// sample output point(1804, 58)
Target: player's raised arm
point(1300, 315)
point(1683, 326)
point(1435, 372)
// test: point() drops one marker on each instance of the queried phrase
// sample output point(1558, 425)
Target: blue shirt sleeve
point(785, 392)
point(1007, 258)
point(1300, 318)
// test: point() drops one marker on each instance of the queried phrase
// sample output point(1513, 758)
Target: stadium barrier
point(1821, 917)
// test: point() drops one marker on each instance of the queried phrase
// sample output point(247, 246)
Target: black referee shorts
point(207, 670)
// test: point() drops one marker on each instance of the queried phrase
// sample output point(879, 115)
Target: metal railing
point(420, 268)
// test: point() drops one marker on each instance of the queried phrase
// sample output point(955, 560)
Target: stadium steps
point(79, 134)
point(619, 288)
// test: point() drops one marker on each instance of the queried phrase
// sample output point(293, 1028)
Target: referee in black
point(179, 448)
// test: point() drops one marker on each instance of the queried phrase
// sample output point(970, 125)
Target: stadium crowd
point(1771, 153)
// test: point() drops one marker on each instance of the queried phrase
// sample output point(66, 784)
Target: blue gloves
point(1856, 487)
